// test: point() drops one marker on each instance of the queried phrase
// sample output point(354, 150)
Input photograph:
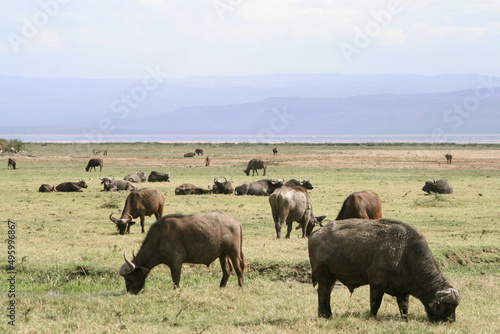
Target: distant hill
point(314, 103)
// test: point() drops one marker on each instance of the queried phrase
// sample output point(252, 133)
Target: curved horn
point(113, 219)
point(225, 179)
point(215, 180)
point(100, 177)
point(128, 266)
point(450, 295)
point(130, 218)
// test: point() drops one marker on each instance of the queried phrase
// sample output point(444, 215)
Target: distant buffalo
point(275, 151)
point(258, 188)
point(255, 164)
point(207, 161)
point(189, 155)
point(11, 163)
point(294, 183)
point(220, 187)
point(46, 188)
point(116, 185)
point(71, 186)
point(199, 151)
point(364, 204)
point(137, 177)
point(190, 189)
point(158, 177)
point(440, 187)
point(93, 163)
point(448, 157)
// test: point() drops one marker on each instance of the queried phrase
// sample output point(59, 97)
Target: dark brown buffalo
point(140, 203)
point(199, 151)
point(137, 177)
point(189, 155)
point(390, 256)
point(258, 188)
point(11, 163)
point(93, 163)
point(275, 151)
point(448, 157)
point(440, 187)
point(158, 177)
point(46, 188)
point(364, 204)
point(255, 164)
point(220, 187)
point(116, 185)
point(289, 204)
point(177, 239)
point(295, 183)
point(71, 186)
point(191, 189)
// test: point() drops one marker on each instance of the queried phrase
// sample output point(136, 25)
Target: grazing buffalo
point(255, 164)
point(177, 239)
point(190, 189)
point(189, 155)
point(440, 187)
point(364, 204)
point(220, 187)
point(71, 186)
point(46, 188)
point(140, 203)
point(207, 161)
point(136, 177)
point(275, 151)
point(448, 157)
point(116, 185)
point(11, 163)
point(93, 163)
point(390, 256)
point(289, 204)
point(295, 183)
point(158, 177)
point(258, 188)
point(199, 151)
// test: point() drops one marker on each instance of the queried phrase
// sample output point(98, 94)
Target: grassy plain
point(68, 252)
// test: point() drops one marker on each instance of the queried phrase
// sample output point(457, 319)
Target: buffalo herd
point(358, 248)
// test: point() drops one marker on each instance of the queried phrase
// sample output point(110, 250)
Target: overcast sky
point(118, 39)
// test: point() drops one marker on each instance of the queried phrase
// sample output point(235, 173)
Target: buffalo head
point(444, 305)
point(123, 224)
point(134, 276)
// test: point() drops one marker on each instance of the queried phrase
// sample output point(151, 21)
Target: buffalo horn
point(128, 266)
point(450, 295)
point(129, 219)
point(112, 218)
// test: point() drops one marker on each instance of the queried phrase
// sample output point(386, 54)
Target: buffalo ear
point(131, 223)
point(321, 218)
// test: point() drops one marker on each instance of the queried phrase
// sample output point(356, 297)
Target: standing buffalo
point(158, 177)
point(136, 177)
point(117, 185)
point(294, 183)
point(289, 204)
point(275, 151)
point(11, 163)
point(177, 239)
point(220, 187)
point(140, 203)
point(71, 186)
point(93, 163)
point(390, 256)
point(364, 204)
point(190, 189)
point(46, 188)
point(199, 151)
point(448, 157)
point(258, 188)
point(189, 155)
point(255, 164)
point(440, 187)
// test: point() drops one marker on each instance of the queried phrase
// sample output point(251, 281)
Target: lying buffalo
point(93, 163)
point(255, 164)
point(177, 239)
point(296, 183)
point(140, 203)
point(289, 204)
point(440, 187)
point(116, 185)
point(158, 177)
point(258, 188)
point(189, 155)
point(364, 204)
point(71, 186)
point(190, 189)
point(220, 187)
point(390, 256)
point(46, 188)
point(137, 177)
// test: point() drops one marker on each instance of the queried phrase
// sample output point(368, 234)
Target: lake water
point(176, 138)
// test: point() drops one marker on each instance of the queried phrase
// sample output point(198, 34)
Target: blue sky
point(119, 39)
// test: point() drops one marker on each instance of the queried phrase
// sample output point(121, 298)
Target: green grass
point(68, 252)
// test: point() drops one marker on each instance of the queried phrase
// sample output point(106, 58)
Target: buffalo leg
point(403, 302)
point(175, 271)
point(224, 264)
point(238, 265)
point(376, 294)
point(326, 282)
point(143, 218)
point(264, 172)
point(288, 230)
